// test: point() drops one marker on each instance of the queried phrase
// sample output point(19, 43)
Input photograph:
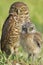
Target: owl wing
point(38, 38)
point(7, 25)
point(6, 30)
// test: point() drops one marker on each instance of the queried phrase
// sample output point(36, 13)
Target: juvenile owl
point(31, 39)
point(18, 15)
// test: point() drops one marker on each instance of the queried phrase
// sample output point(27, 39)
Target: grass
point(20, 58)
point(36, 14)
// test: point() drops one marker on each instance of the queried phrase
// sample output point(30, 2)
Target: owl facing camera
point(28, 27)
point(31, 39)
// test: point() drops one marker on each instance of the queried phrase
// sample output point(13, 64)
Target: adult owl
point(18, 15)
point(31, 39)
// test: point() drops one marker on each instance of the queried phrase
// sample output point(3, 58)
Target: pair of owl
point(19, 29)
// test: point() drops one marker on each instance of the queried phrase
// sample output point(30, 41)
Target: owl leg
point(29, 55)
point(34, 57)
point(12, 50)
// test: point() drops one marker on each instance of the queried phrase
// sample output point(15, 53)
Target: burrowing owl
point(31, 40)
point(18, 15)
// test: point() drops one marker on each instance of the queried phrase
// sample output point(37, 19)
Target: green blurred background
point(35, 7)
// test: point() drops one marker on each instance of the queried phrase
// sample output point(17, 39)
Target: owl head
point(28, 27)
point(19, 8)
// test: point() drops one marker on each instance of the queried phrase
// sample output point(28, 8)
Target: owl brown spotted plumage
point(18, 15)
point(31, 39)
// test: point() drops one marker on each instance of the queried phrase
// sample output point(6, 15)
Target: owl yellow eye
point(31, 29)
point(21, 12)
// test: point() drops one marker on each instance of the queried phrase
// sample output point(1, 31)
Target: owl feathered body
point(31, 39)
point(18, 15)
point(10, 34)
point(31, 43)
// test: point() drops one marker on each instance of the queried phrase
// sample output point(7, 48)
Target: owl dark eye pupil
point(24, 29)
point(16, 10)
